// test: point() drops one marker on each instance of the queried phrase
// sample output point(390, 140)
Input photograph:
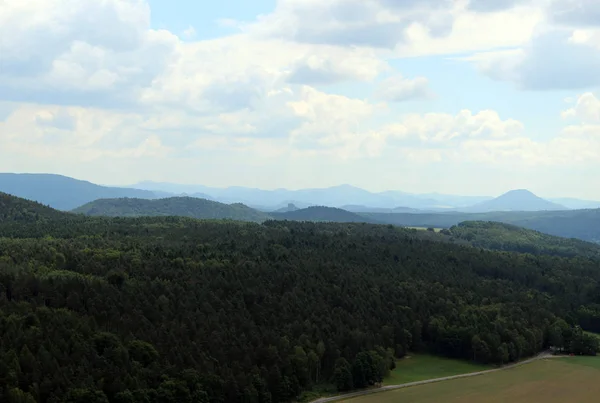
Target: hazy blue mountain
point(62, 192)
point(323, 214)
point(576, 204)
point(366, 209)
point(516, 200)
point(581, 224)
point(454, 201)
point(336, 196)
point(171, 188)
point(288, 208)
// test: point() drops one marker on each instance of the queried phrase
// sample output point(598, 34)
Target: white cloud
point(400, 89)
point(335, 65)
point(63, 51)
point(86, 98)
point(552, 60)
point(586, 109)
point(404, 28)
point(370, 23)
point(189, 33)
point(563, 52)
point(494, 5)
point(578, 13)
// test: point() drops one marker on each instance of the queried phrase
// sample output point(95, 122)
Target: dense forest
point(499, 236)
point(172, 309)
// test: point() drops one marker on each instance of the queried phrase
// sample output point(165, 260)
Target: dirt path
point(544, 355)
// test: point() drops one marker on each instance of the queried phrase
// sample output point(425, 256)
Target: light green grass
point(553, 380)
point(423, 366)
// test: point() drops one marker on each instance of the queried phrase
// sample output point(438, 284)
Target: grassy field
point(555, 380)
point(422, 366)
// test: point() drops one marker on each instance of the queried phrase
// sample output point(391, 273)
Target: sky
point(453, 96)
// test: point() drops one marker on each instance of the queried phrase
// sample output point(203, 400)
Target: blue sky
point(471, 97)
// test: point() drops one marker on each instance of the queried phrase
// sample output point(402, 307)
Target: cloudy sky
point(466, 97)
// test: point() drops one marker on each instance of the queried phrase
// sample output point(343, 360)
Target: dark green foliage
point(21, 211)
point(174, 206)
point(163, 309)
point(498, 236)
point(342, 375)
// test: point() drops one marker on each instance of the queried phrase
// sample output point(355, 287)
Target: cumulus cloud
point(562, 53)
point(577, 13)
point(555, 59)
point(400, 89)
point(336, 66)
point(586, 109)
point(493, 5)
point(66, 47)
point(370, 23)
point(95, 98)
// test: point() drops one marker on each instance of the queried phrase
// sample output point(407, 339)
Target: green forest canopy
point(166, 309)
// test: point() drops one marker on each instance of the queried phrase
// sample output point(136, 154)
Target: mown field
point(555, 380)
point(422, 366)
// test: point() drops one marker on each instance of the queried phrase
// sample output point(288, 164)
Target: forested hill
point(167, 309)
point(174, 206)
point(322, 214)
point(499, 236)
point(581, 224)
point(14, 209)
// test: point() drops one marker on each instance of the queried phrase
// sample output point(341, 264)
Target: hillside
point(175, 206)
point(18, 210)
point(516, 200)
point(581, 224)
point(162, 309)
point(61, 192)
point(499, 236)
point(321, 214)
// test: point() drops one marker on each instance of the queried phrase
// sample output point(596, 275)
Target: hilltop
point(61, 192)
point(516, 200)
point(173, 206)
point(507, 237)
point(581, 224)
point(16, 209)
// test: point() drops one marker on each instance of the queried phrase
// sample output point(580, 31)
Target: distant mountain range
point(582, 224)
point(336, 196)
point(61, 192)
point(516, 200)
point(66, 193)
point(359, 200)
